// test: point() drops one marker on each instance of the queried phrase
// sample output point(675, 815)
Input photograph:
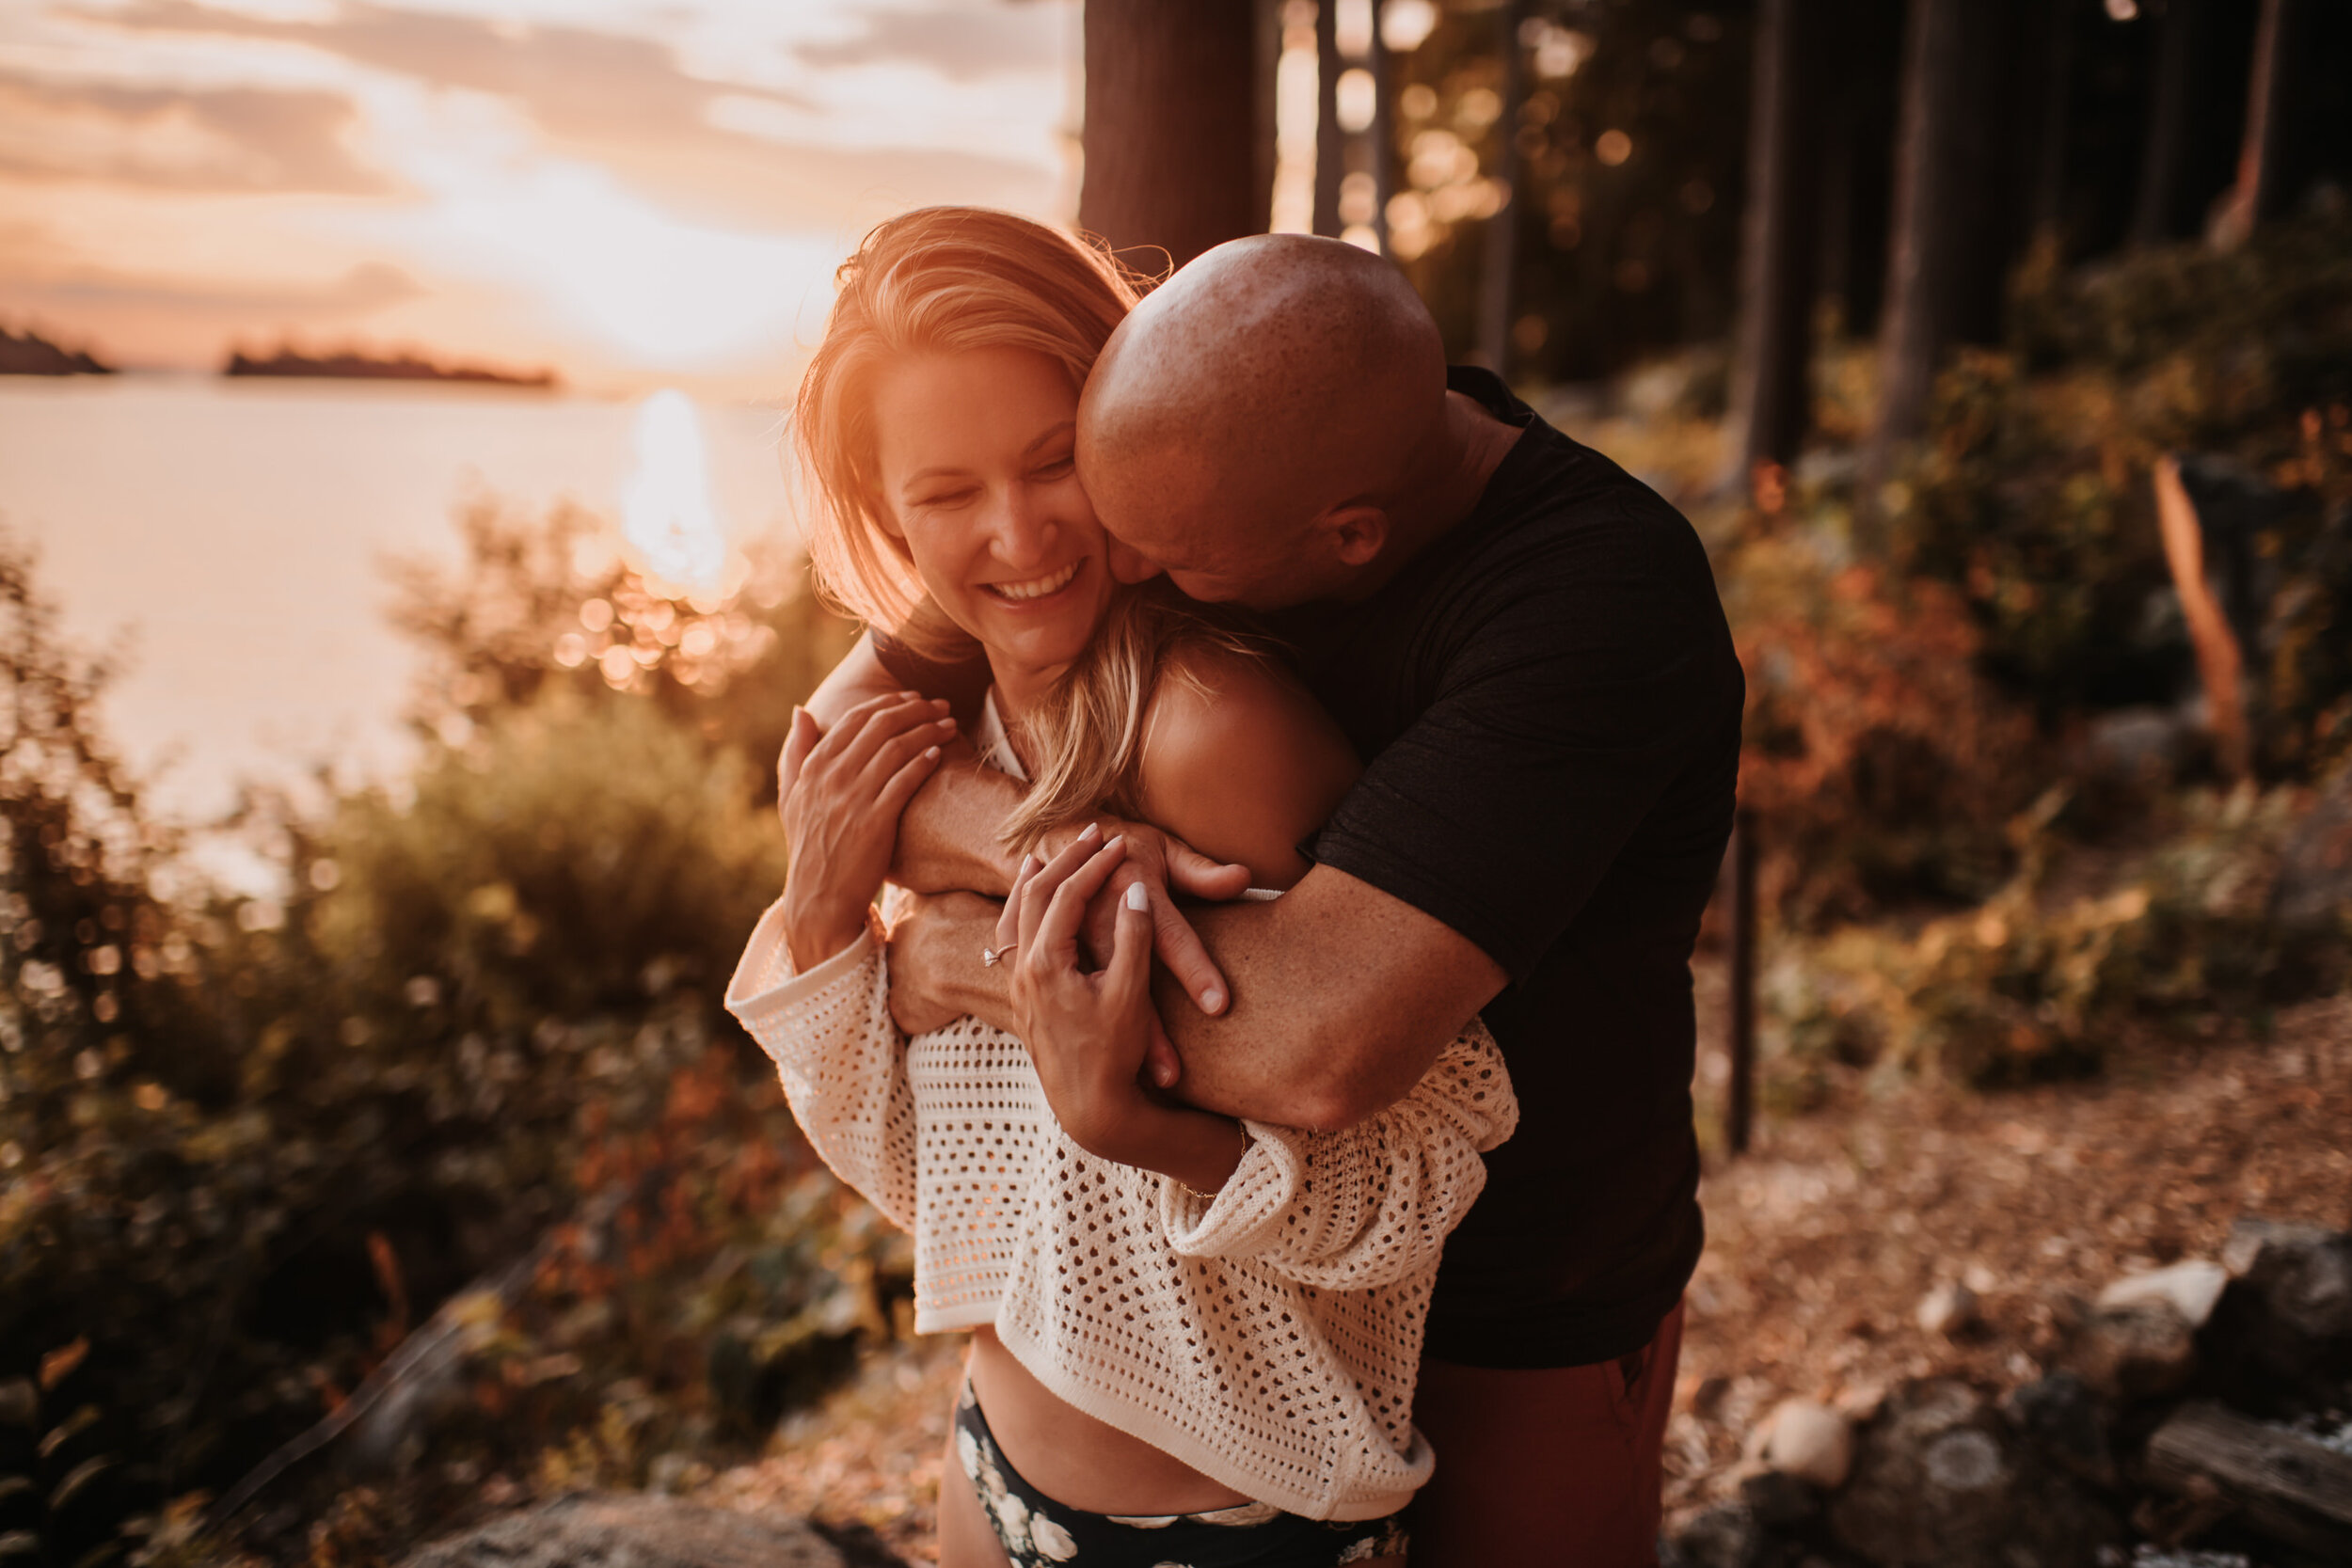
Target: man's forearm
point(947, 834)
point(1335, 1016)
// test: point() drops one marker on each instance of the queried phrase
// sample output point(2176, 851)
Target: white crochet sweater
point(1269, 1337)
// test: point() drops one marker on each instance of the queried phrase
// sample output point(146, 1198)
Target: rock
point(1940, 1483)
point(2314, 886)
point(2191, 1288)
point(605, 1529)
point(1727, 1535)
point(2058, 1416)
point(1948, 1310)
point(2302, 1272)
point(2139, 1351)
point(1810, 1442)
point(1779, 1501)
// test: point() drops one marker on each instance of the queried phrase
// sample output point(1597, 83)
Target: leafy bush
point(1879, 766)
point(2033, 493)
point(2033, 981)
point(249, 1143)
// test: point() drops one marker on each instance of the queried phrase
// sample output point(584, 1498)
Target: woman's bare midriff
point(1072, 1457)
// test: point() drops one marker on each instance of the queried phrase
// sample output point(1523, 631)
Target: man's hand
point(937, 975)
point(1089, 1033)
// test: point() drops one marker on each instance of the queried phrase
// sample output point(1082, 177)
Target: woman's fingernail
point(1211, 1000)
point(1028, 865)
point(931, 752)
point(1138, 896)
point(1115, 843)
point(1089, 833)
point(1164, 1075)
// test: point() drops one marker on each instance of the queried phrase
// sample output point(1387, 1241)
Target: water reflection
point(666, 510)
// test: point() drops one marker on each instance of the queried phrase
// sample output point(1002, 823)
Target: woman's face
point(977, 477)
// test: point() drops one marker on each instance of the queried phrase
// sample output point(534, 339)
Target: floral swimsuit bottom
point(1039, 1532)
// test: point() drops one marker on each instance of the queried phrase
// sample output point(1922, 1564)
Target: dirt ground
point(1823, 1239)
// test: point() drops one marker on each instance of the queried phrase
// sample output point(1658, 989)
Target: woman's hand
point(841, 808)
point(1090, 1033)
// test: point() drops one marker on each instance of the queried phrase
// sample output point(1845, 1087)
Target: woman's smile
point(1037, 592)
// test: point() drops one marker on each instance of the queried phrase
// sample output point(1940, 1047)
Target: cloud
point(204, 139)
point(572, 81)
point(963, 45)
point(367, 287)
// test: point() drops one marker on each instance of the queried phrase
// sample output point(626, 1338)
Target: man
point(1526, 646)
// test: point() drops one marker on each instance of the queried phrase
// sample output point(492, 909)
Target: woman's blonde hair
point(952, 279)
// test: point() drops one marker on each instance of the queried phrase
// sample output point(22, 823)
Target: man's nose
point(1129, 564)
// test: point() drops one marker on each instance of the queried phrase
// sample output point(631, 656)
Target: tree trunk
point(2257, 196)
point(1172, 125)
point(2058, 84)
point(1770, 404)
point(1949, 243)
point(1498, 272)
point(2167, 110)
point(1331, 145)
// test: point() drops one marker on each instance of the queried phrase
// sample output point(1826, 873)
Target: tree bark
point(2168, 111)
point(2256, 197)
point(1172, 125)
point(1331, 145)
point(1950, 242)
point(1770, 400)
point(1499, 269)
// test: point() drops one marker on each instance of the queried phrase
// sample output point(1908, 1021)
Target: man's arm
point(1342, 997)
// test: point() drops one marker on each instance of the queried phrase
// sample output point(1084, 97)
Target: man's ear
point(1358, 532)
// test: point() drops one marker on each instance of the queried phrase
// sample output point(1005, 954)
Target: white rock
point(1949, 1309)
point(1809, 1441)
point(2190, 1289)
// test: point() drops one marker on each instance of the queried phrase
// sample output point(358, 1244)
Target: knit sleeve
point(1370, 1204)
point(841, 1058)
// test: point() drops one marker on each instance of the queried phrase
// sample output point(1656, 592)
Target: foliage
point(2035, 979)
point(2033, 493)
point(1879, 765)
point(251, 1142)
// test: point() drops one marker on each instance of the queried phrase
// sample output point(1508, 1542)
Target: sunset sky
point(634, 192)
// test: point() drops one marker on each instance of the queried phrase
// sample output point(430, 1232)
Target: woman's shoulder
point(1238, 760)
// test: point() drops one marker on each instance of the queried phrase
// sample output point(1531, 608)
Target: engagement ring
point(992, 957)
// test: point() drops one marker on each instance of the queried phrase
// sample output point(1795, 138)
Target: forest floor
point(1823, 1239)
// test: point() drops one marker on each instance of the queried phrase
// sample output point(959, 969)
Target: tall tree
point(1498, 280)
point(1955, 209)
point(2167, 115)
point(1777, 246)
point(1172, 124)
point(2259, 193)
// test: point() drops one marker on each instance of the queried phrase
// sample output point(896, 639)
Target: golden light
point(1613, 148)
point(1405, 25)
point(1356, 98)
point(666, 512)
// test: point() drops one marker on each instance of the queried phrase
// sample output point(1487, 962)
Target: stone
point(2302, 1272)
point(2191, 1287)
point(1727, 1535)
point(2144, 1350)
point(2060, 1418)
point(1779, 1501)
point(608, 1529)
point(1810, 1442)
point(2313, 893)
point(1948, 1310)
point(1940, 1482)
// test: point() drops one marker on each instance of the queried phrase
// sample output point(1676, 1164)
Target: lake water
point(237, 529)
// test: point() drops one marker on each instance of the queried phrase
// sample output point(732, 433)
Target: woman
point(1206, 1353)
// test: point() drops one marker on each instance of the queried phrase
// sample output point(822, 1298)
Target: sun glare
point(666, 512)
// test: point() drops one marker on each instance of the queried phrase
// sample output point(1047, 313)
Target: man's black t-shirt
point(1550, 705)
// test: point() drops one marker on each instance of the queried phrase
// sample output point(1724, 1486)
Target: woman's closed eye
point(944, 500)
point(1054, 468)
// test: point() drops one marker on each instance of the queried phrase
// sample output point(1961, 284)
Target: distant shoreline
point(34, 355)
point(352, 366)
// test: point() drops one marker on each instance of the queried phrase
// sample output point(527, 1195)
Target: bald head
point(1269, 381)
